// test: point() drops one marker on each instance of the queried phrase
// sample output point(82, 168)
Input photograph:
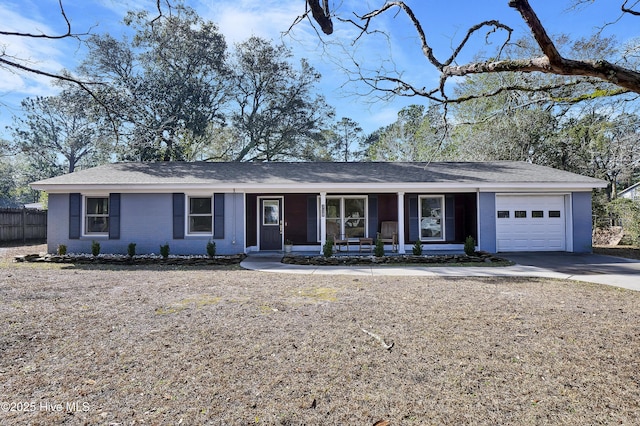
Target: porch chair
point(333, 232)
point(389, 234)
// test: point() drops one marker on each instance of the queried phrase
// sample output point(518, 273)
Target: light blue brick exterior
point(58, 224)
point(487, 222)
point(147, 221)
point(582, 222)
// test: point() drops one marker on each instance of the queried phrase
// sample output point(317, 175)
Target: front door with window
point(270, 224)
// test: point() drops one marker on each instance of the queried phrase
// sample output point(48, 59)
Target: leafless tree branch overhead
point(43, 35)
point(629, 9)
point(551, 62)
point(321, 15)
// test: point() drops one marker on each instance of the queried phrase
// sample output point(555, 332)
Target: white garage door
point(530, 223)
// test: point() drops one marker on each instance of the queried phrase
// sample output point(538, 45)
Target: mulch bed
point(114, 259)
point(479, 259)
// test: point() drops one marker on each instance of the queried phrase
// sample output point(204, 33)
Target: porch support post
point(323, 220)
point(401, 223)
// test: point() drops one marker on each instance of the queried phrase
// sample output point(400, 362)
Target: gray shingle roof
point(278, 174)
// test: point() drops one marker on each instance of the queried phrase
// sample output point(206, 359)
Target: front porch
point(441, 222)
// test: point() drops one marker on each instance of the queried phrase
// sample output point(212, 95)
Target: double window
point(431, 211)
point(347, 217)
point(96, 215)
point(200, 215)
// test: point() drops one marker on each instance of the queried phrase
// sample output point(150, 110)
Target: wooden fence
point(22, 224)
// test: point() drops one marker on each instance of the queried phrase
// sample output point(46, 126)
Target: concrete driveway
point(594, 268)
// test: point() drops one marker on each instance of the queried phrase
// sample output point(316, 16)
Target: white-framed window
point(199, 215)
point(431, 216)
point(346, 216)
point(96, 215)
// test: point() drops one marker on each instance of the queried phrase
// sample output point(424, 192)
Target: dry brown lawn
point(140, 345)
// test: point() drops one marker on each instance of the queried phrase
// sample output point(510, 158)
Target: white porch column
point(323, 220)
point(401, 223)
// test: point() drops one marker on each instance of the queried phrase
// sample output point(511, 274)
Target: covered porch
point(440, 221)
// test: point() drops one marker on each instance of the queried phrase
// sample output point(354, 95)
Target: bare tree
point(19, 65)
point(604, 77)
point(15, 64)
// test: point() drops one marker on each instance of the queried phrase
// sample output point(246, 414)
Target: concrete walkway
point(592, 268)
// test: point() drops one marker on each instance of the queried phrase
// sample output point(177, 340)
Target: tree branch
point(53, 37)
point(426, 49)
point(539, 33)
point(60, 77)
point(321, 15)
point(552, 62)
point(379, 339)
point(625, 9)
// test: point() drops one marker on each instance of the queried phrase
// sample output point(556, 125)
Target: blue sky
point(445, 23)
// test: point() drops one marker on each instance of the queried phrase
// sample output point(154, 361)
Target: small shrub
point(627, 212)
point(164, 251)
point(211, 248)
point(327, 248)
point(131, 249)
point(469, 246)
point(378, 250)
point(62, 249)
point(417, 248)
point(95, 248)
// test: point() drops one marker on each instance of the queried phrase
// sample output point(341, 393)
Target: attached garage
point(531, 222)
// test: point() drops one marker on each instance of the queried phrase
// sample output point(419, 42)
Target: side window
point(200, 215)
point(96, 215)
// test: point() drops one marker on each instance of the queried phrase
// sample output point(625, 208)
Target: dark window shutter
point(312, 219)
point(414, 226)
point(114, 216)
point(450, 220)
point(373, 216)
point(75, 213)
point(178, 216)
point(218, 218)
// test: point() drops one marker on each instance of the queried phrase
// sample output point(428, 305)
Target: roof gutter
point(322, 187)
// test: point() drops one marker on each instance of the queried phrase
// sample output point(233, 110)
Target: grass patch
point(320, 294)
point(193, 302)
